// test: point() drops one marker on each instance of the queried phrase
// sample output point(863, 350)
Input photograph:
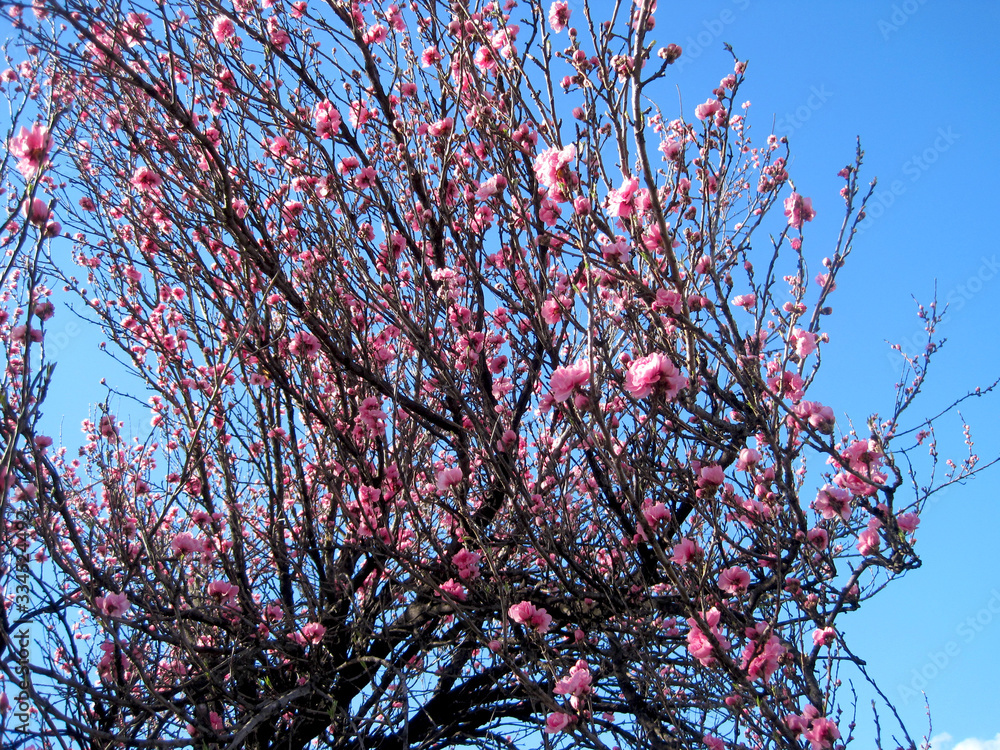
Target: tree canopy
point(480, 389)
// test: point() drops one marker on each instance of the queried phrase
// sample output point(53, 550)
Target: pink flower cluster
point(700, 644)
point(327, 120)
point(467, 563)
point(734, 580)
point(864, 459)
point(113, 605)
point(687, 551)
point(448, 478)
point(454, 589)
point(528, 615)
point(576, 684)
point(761, 656)
point(559, 15)
point(31, 147)
point(798, 210)
point(310, 633)
point(832, 502)
point(818, 730)
point(553, 170)
point(569, 378)
point(654, 372)
point(558, 721)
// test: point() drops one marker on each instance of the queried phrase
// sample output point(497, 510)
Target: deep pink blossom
point(559, 13)
point(654, 372)
point(701, 645)
point(798, 210)
point(448, 478)
point(327, 120)
point(113, 605)
point(621, 202)
point(185, 544)
point(31, 147)
point(312, 632)
point(223, 29)
point(222, 592)
point(833, 502)
point(467, 563)
point(454, 589)
point(822, 733)
point(557, 722)
point(708, 110)
point(145, 180)
point(734, 580)
point(576, 684)
point(687, 551)
point(568, 379)
point(528, 615)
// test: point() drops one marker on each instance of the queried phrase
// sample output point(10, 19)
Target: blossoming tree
point(480, 392)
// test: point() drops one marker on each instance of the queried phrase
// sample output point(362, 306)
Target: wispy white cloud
point(945, 741)
point(974, 743)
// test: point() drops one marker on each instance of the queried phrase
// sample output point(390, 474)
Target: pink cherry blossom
point(326, 119)
point(763, 653)
point(185, 544)
point(832, 502)
point(908, 522)
point(804, 342)
point(822, 733)
point(223, 29)
point(824, 636)
point(31, 147)
point(711, 476)
point(37, 211)
point(734, 580)
point(553, 169)
point(312, 632)
point(448, 478)
point(454, 589)
point(687, 551)
point(568, 379)
point(700, 644)
point(557, 722)
point(467, 563)
point(576, 683)
point(708, 110)
point(798, 210)
point(621, 202)
point(748, 458)
point(559, 13)
point(654, 372)
point(113, 605)
point(528, 615)
point(869, 540)
point(222, 592)
point(145, 180)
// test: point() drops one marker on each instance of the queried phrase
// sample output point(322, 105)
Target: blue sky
point(913, 79)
